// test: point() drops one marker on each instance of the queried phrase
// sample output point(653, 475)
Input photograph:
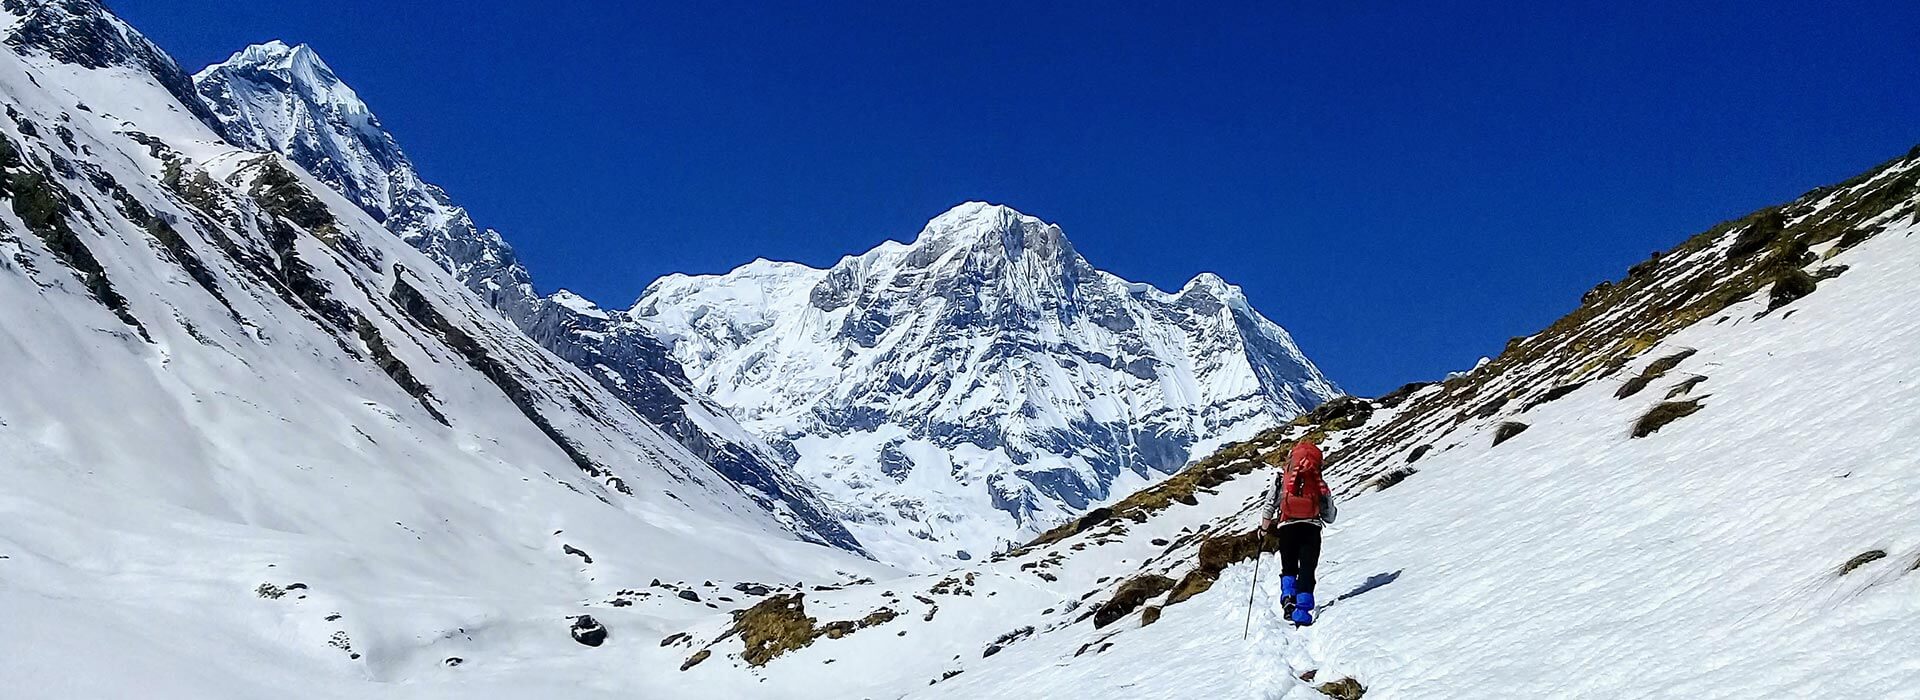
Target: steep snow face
point(1759, 543)
point(982, 383)
point(1712, 497)
point(82, 33)
point(285, 99)
point(220, 374)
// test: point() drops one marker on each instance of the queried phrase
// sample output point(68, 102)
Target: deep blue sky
point(1403, 187)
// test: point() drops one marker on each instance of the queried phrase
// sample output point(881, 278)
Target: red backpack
point(1300, 485)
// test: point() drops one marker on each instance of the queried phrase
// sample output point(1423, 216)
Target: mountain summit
point(981, 305)
point(280, 98)
point(981, 383)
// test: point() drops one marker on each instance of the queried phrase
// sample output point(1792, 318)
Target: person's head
point(1306, 455)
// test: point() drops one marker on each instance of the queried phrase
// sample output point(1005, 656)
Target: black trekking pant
point(1299, 552)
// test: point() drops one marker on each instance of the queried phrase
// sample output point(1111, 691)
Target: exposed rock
point(569, 549)
point(695, 660)
point(1790, 286)
point(1392, 478)
point(588, 631)
point(1663, 414)
point(1130, 596)
point(1863, 559)
point(1343, 689)
point(1552, 395)
point(1506, 431)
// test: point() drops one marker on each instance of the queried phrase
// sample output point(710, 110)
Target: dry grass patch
point(1663, 414)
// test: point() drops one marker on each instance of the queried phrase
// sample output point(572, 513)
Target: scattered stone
point(270, 591)
point(1506, 431)
point(1343, 689)
point(675, 637)
point(1863, 559)
point(340, 640)
point(695, 660)
point(1130, 596)
point(1149, 615)
point(453, 661)
point(1659, 368)
point(1663, 414)
point(1790, 286)
point(570, 549)
point(1685, 387)
point(1554, 394)
point(588, 631)
point(688, 594)
point(1392, 478)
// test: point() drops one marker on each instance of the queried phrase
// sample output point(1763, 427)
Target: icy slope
point(982, 383)
point(223, 380)
point(285, 99)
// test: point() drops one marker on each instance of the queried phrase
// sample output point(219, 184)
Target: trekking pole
point(1259, 550)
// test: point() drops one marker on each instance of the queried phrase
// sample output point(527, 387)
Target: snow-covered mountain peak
point(299, 67)
point(993, 229)
point(83, 33)
point(1212, 284)
point(975, 385)
point(284, 98)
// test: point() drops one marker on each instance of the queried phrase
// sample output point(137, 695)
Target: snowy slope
point(1206, 369)
point(285, 99)
point(255, 446)
point(982, 383)
point(1762, 545)
point(223, 379)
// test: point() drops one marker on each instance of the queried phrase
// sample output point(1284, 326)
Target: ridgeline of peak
point(986, 227)
point(284, 98)
point(967, 389)
point(84, 33)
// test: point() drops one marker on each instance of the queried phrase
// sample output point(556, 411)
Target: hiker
point(1298, 504)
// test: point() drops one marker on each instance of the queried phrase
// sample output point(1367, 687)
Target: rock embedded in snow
point(588, 631)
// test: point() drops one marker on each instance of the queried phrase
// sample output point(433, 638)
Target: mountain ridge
point(286, 99)
point(1073, 400)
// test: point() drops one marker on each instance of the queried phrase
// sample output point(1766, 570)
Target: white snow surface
point(285, 99)
point(153, 485)
point(970, 389)
point(157, 475)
